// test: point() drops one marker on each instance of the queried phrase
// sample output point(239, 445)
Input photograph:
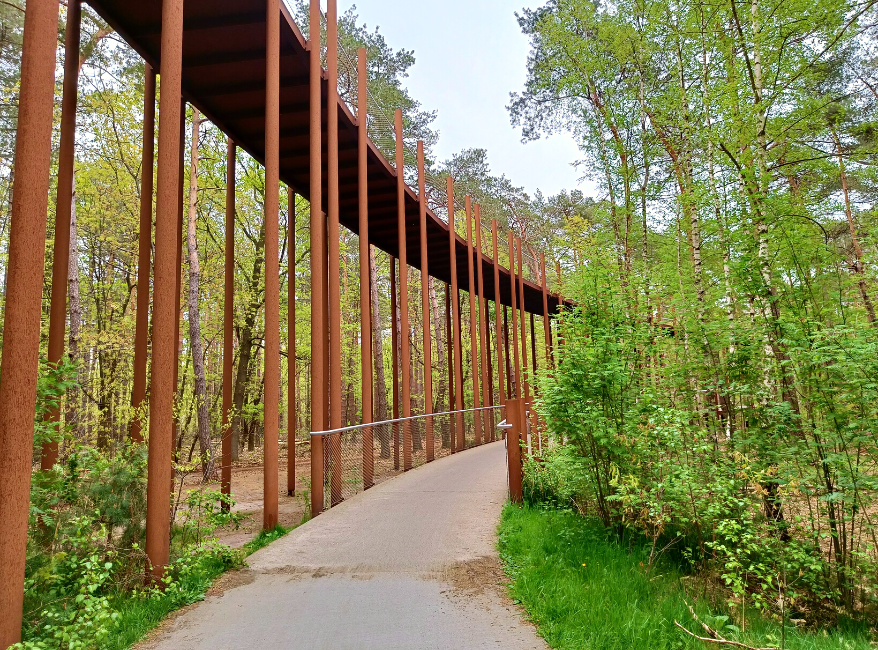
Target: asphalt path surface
point(408, 564)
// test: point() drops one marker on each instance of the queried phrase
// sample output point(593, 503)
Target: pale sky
point(470, 54)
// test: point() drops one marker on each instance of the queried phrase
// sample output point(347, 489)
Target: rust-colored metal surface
point(522, 377)
point(165, 308)
point(473, 318)
point(425, 302)
point(501, 384)
point(487, 423)
point(271, 393)
point(224, 76)
point(405, 349)
point(318, 259)
point(144, 253)
point(291, 342)
point(547, 324)
point(365, 269)
point(512, 280)
point(514, 408)
point(21, 333)
point(228, 321)
point(459, 440)
point(449, 345)
point(64, 203)
point(394, 357)
point(332, 234)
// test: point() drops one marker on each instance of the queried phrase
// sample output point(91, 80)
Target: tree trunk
point(378, 351)
point(194, 322)
point(72, 419)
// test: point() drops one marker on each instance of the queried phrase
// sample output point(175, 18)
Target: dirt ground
point(247, 480)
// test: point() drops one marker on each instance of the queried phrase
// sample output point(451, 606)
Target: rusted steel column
point(64, 204)
point(291, 342)
point(228, 321)
point(425, 304)
point(497, 307)
point(487, 416)
point(141, 329)
point(271, 396)
point(394, 358)
point(523, 325)
point(510, 390)
point(21, 334)
point(514, 408)
point(473, 319)
point(332, 235)
point(449, 345)
point(460, 438)
point(165, 308)
point(547, 323)
point(513, 281)
point(405, 351)
point(365, 270)
point(318, 267)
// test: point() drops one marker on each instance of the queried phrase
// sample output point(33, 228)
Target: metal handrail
point(354, 427)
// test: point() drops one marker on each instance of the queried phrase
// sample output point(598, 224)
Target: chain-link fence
point(358, 457)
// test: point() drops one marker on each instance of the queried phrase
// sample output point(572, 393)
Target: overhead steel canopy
point(224, 76)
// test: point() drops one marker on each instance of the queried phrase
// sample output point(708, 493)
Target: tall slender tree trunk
point(194, 321)
point(74, 306)
point(378, 351)
point(436, 317)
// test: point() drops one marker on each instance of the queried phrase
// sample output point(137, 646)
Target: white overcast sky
point(470, 54)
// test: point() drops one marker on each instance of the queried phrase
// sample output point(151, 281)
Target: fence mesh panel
point(356, 458)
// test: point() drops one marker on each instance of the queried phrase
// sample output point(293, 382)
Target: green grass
point(587, 592)
point(139, 615)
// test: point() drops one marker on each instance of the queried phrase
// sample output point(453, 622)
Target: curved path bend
point(409, 564)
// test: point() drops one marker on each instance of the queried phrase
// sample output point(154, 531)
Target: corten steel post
point(318, 267)
point(141, 328)
point(547, 323)
point(497, 307)
point(487, 416)
point(21, 334)
point(523, 326)
point(228, 321)
point(292, 415)
point(164, 312)
point(64, 202)
point(509, 387)
point(271, 377)
point(394, 358)
point(365, 270)
point(405, 350)
point(460, 441)
point(512, 278)
point(473, 319)
point(332, 234)
point(449, 344)
point(514, 436)
point(425, 305)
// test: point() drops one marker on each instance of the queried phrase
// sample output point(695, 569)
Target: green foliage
point(585, 587)
point(264, 538)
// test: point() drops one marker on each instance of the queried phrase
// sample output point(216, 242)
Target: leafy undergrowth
point(140, 615)
point(585, 591)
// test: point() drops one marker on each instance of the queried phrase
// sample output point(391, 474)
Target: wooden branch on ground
point(718, 639)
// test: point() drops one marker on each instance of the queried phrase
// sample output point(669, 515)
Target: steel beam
point(547, 323)
point(64, 206)
point(497, 307)
point(514, 288)
point(405, 349)
point(365, 267)
point(425, 305)
point(460, 439)
point(291, 342)
point(21, 333)
point(141, 328)
point(228, 322)
point(473, 319)
point(394, 357)
point(165, 308)
point(318, 268)
point(487, 419)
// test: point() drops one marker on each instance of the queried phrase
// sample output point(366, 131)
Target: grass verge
point(585, 591)
point(138, 615)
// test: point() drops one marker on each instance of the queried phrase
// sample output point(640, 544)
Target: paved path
point(410, 564)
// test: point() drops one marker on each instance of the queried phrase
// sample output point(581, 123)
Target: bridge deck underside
point(224, 76)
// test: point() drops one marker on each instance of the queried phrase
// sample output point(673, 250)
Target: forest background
point(715, 389)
